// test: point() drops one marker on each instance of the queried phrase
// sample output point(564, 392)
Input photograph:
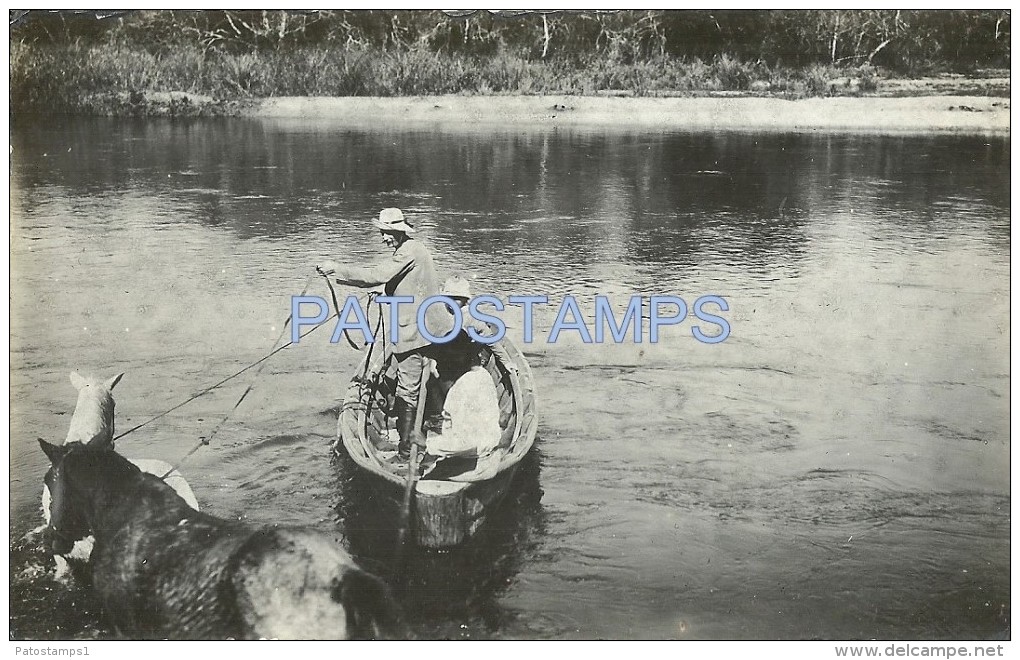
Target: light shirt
point(408, 272)
point(470, 418)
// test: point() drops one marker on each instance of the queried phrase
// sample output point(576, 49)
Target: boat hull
point(444, 513)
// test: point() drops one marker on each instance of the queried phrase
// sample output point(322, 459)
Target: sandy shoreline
point(943, 114)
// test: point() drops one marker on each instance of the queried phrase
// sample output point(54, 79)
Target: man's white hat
point(456, 286)
point(393, 220)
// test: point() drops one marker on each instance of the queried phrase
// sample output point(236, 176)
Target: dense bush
point(59, 59)
point(891, 38)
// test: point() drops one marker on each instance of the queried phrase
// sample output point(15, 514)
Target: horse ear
point(110, 384)
point(101, 441)
point(77, 380)
point(54, 452)
point(371, 610)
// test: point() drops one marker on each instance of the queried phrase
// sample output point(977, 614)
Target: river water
point(838, 467)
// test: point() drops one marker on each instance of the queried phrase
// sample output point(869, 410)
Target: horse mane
point(99, 459)
point(111, 480)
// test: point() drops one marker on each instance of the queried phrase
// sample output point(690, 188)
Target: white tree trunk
point(545, 41)
point(880, 47)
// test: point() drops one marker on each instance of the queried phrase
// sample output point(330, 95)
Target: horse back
point(207, 578)
point(168, 576)
point(164, 570)
point(173, 478)
point(299, 584)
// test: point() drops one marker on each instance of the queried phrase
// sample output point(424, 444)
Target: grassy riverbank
point(219, 63)
point(117, 80)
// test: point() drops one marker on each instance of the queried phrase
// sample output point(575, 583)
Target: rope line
point(369, 386)
point(206, 390)
point(232, 376)
point(336, 305)
point(379, 324)
point(261, 364)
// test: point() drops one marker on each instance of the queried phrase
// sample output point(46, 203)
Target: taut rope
point(261, 364)
point(206, 390)
point(232, 376)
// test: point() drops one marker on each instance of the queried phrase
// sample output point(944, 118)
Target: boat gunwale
point(355, 440)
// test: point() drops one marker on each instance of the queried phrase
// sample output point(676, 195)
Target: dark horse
point(163, 570)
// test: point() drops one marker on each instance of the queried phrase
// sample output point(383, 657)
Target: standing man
point(409, 271)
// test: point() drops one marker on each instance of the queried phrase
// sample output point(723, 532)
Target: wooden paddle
point(412, 468)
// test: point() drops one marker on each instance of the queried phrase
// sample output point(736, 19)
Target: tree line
point(901, 40)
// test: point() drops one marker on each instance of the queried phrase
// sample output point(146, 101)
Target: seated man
point(467, 445)
point(459, 290)
point(456, 357)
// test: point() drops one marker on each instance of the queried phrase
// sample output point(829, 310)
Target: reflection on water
point(837, 468)
point(453, 593)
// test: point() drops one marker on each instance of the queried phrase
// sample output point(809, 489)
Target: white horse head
point(93, 424)
point(93, 420)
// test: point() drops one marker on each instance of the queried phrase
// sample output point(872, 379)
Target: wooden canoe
point(444, 513)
